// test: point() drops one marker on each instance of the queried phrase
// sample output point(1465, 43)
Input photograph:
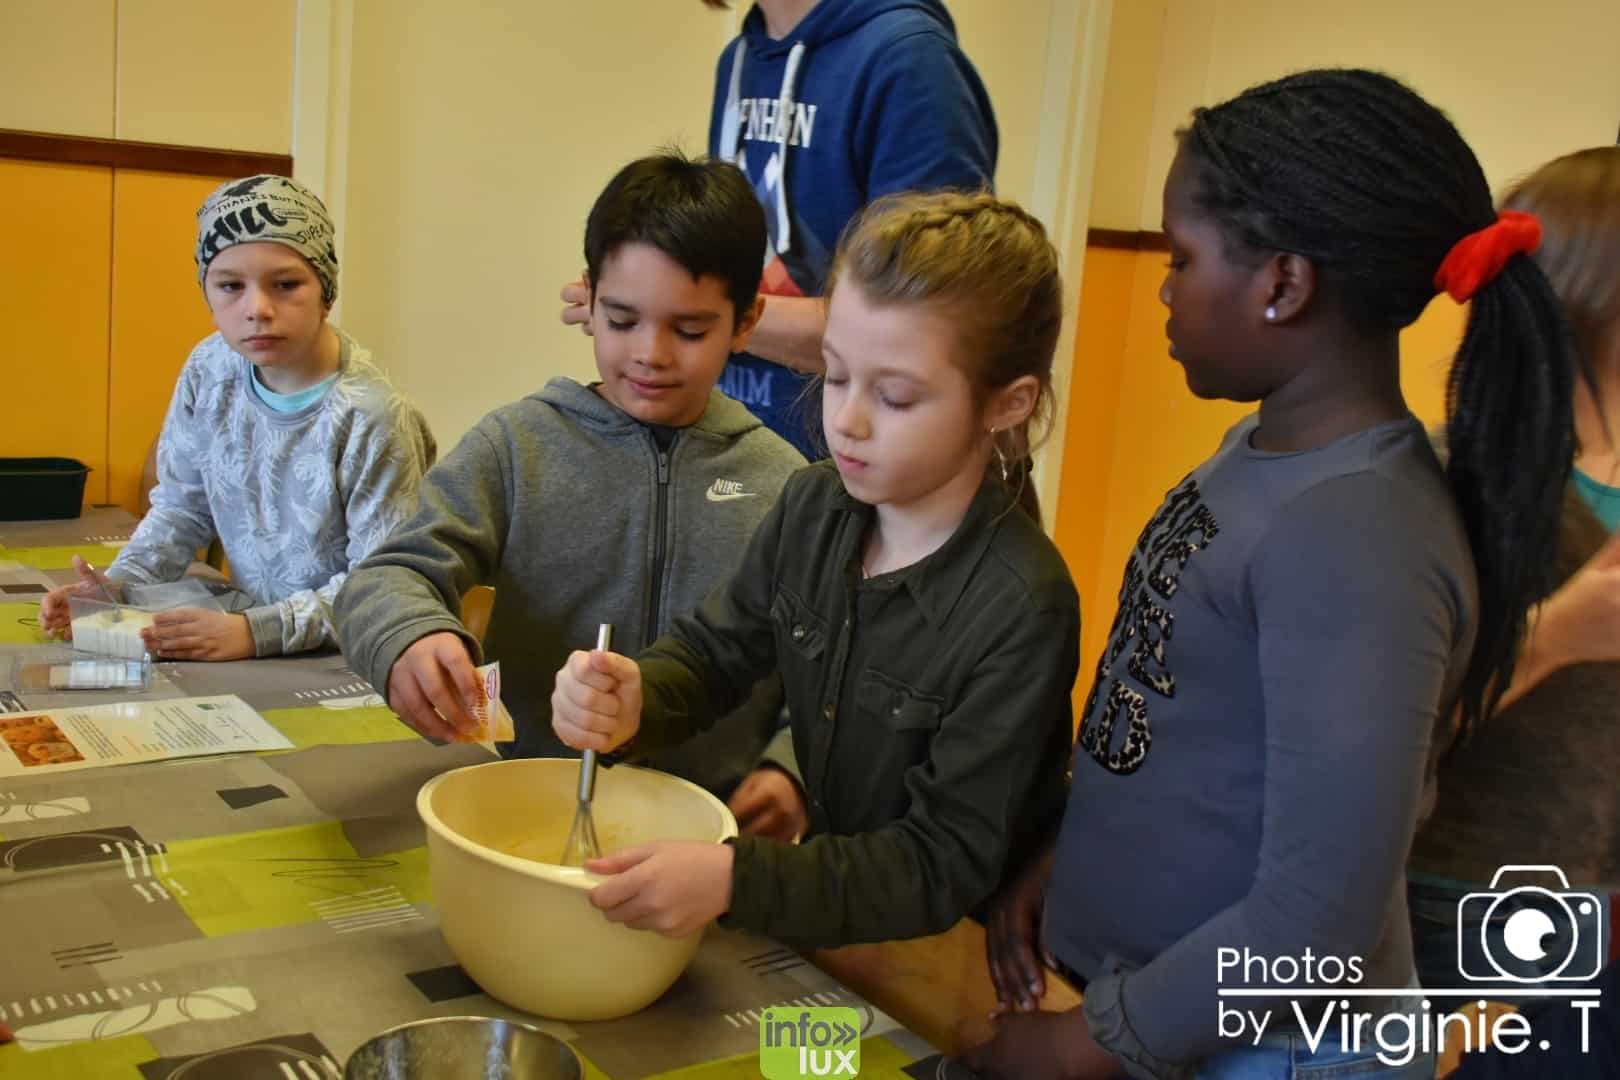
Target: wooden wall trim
point(124, 154)
point(1127, 240)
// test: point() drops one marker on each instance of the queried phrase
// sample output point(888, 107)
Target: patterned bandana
point(271, 208)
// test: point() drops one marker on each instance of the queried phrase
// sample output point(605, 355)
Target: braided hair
point(1355, 171)
point(987, 265)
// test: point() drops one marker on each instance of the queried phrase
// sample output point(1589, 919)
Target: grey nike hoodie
point(572, 511)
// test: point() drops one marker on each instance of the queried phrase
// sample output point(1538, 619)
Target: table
point(262, 915)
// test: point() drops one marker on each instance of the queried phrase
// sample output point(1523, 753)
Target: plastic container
point(33, 489)
point(186, 593)
point(108, 629)
point(74, 671)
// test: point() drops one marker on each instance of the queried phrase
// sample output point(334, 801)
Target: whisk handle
point(587, 765)
point(587, 776)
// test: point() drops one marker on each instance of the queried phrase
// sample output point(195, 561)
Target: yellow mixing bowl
point(524, 928)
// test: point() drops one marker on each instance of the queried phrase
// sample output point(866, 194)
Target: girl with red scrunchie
point(1306, 610)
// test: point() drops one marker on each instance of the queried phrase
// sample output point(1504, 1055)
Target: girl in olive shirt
point(925, 627)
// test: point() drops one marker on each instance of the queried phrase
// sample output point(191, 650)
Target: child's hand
point(199, 634)
point(676, 887)
point(1012, 938)
point(55, 617)
point(576, 297)
point(597, 702)
point(769, 803)
point(434, 689)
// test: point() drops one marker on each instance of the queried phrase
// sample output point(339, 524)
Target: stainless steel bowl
point(464, 1048)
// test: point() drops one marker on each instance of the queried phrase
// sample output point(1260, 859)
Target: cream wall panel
point(56, 66)
point(467, 193)
point(201, 73)
point(1521, 90)
point(1182, 83)
point(1006, 40)
point(479, 136)
point(1135, 41)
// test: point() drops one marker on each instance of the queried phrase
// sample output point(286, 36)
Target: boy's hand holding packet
point(434, 688)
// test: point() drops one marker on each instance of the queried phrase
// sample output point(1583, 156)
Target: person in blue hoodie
point(827, 105)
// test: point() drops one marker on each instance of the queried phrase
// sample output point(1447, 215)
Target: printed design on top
point(727, 490)
point(777, 125)
point(1144, 626)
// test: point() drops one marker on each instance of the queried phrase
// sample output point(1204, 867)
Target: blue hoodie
point(863, 98)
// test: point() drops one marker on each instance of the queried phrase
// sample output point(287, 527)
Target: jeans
point(1288, 1056)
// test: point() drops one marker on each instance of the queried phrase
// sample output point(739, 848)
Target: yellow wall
point(190, 72)
point(158, 313)
point(53, 306)
point(99, 316)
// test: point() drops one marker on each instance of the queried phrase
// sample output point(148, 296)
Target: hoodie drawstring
point(731, 134)
point(731, 119)
point(784, 134)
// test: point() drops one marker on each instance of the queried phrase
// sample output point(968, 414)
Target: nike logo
point(726, 490)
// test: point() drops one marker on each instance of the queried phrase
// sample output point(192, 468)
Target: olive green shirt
point(930, 709)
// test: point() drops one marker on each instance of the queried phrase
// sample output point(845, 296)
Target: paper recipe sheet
point(35, 743)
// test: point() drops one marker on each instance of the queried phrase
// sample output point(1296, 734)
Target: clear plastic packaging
point(111, 629)
point(186, 593)
point(108, 629)
point(69, 671)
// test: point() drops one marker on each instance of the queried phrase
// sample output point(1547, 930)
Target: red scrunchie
point(1477, 258)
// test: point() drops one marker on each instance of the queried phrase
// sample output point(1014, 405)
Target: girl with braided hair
point(926, 629)
point(1303, 609)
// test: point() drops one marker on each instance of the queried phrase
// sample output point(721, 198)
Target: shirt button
point(827, 712)
point(798, 633)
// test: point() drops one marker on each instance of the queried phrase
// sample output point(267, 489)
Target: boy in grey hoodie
point(624, 501)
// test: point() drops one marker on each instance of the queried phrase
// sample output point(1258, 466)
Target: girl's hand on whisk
point(597, 701)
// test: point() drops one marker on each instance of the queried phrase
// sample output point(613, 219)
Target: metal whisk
point(582, 842)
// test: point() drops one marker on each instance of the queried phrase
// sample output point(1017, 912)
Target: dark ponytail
point(1355, 171)
point(1511, 441)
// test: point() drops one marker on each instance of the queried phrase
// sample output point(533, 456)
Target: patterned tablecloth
point(262, 915)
